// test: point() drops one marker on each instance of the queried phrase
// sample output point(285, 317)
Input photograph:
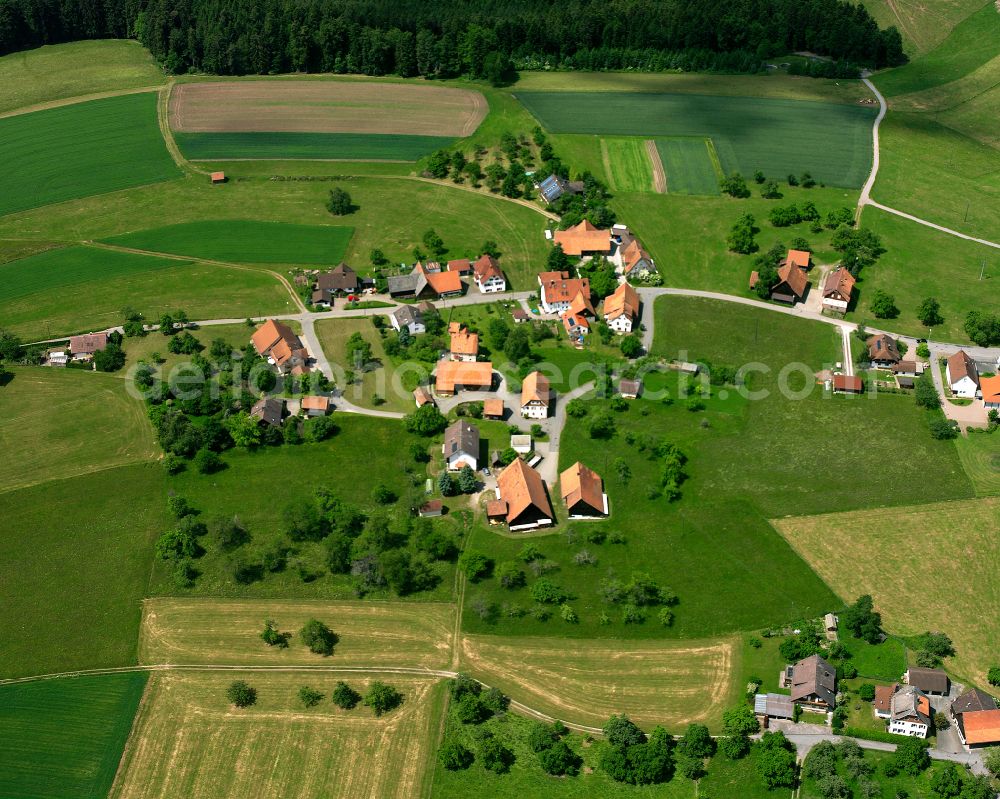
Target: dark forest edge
point(481, 39)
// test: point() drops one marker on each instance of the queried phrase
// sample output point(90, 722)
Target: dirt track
point(312, 106)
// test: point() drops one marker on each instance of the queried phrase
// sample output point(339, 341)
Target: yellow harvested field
point(188, 741)
point(183, 631)
point(929, 567)
point(325, 106)
point(585, 681)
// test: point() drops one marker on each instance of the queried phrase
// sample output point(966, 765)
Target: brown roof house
point(636, 261)
point(883, 351)
point(461, 265)
point(277, 343)
point(340, 280)
point(582, 491)
point(963, 375)
point(464, 345)
point(972, 701)
point(630, 389)
point(488, 275)
point(792, 284)
point(422, 396)
point(522, 489)
point(848, 384)
point(558, 292)
point(82, 348)
point(882, 706)
point(621, 309)
point(536, 396)
point(493, 409)
point(814, 684)
point(584, 239)
point(316, 405)
point(910, 713)
point(268, 410)
point(799, 258)
point(837, 289)
point(451, 376)
point(461, 446)
point(930, 681)
point(979, 728)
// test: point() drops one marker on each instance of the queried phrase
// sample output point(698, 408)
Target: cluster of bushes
point(471, 705)
point(633, 757)
point(741, 235)
point(983, 328)
point(511, 180)
point(380, 697)
point(786, 215)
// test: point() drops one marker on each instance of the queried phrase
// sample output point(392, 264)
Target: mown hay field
point(76, 289)
point(61, 423)
point(832, 141)
point(64, 738)
point(244, 241)
point(929, 567)
point(980, 455)
point(654, 682)
point(227, 632)
point(689, 165)
point(627, 164)
point(189, 741)
point(80, 150)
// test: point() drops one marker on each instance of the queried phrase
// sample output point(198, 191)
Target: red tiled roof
point(583, 238)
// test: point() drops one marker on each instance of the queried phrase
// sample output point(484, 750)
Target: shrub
point(318, 637)
point(344, 696)
point(310, 697)
point(454, 756)
point(382, 698)
point(867, 692)
point(241, 694)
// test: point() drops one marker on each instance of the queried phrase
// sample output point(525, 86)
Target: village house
point(962, 375)
point(316, 405)
point(931, 681)
point(583, 240)
point(422, 396)
point(488, 275)
point(621, 309)
point(577, 326)
point(464, 345)
point(82, 348)
point(882, 705)
point(813, 683)
point(520, 315)
point(837, 289)
point(554, 187)
point(421, 282)
point(910, 713)
point(526, 502)
point(848, 384)
point(792, 284)
point(321, 299)
point(630, 389)
point(278, 344)
point(973, 700)
point(990, 388)
point(493, 409)
point(802, 259)
point(452, 376)
point(268, 410)
point(461, 446)
point(977, 718)
point(536, 396)
point(409, 317)
point(582, 491)
point(558, 292)
point(636, 261)
point(772, 706)
point(883, 351)
point(340, 280)
point(463, 266)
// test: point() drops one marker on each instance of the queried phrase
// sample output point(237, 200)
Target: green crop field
point(189, 741)
point(75, 573)
point(830, 140)
point(79, 150)
point(322, 146)
point(690, 165)
point(63, 739)
point(56, 72)
point(245, 241)
point(627, 164)
point(60, 423)
point(77, 289)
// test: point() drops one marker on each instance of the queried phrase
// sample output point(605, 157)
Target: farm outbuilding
point(218, 177)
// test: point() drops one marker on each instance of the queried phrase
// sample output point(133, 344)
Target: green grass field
point(79, 150)
point(322, 146)
point(75, 573)
point(56, 72)
point(245, 241)
point(980, 455)
point(63, 739)
point(77, 289)
point(689, 165)
point(61, 423)
point(628, 165)
point(923, 26)
point(829, 140)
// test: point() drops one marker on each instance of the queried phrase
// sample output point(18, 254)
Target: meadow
point(320, 146)
point(227, 632)
point(958, 536)
point(80, 150)
point(980, 455)
point(61, 423)
point(79, 289)
point(655, 682)
point(189, 741)
point(690, 165)
point(830, 140)
point(627, 164)
point(56, 72)
point(63, 739)
point(923, 27)
point(244, 241)
point(75, 573)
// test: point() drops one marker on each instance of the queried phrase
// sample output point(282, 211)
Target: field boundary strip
point(659, 175)
point(80, 98)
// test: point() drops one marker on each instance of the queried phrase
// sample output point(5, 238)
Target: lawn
point(690, 164)
point(952, 600)
point(189, 741)
point(832, 141)
point(627, 164)
point(885, 661)
point(732, 778)
point(321, 146)
point(980, 455)
point(948, 269)
point(80, 150)
point(77, 569)
point(61, 423)
point(227, 632)
point(76, 289)
point(585, 681)
point(63, 739)
point(250, 476)
point(55, 72)
point(245, 241)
